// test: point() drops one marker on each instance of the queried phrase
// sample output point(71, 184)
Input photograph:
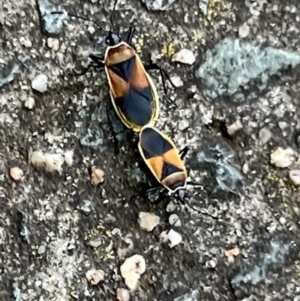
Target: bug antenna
point(111, 16)
point(77, 17)
point(209, 215)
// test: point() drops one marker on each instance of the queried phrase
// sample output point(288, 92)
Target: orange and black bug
point(165, 162)
point(132, 91)
point(163, 159)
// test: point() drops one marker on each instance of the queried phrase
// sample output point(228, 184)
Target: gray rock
point(8, 75)
point(233, 64)
point(227, 176)
point(52, 23)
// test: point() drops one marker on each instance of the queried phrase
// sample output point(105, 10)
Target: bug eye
point(107, 41)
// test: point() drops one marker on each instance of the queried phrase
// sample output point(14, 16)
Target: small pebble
point(41, 249)
point(95, 243)
point(294, 176)
point(86, 207)
point(29, 103)
point(244, 30)
point(233, 128)
point(172, 237)
point(282, 157)
point(69, 157)
point(50, 162)
point(177, 81)
point(131, 270)
point(97, 176)
point(283, 125)
point(148, 221)
point(213, 263)
point(171, 207)
point(25, 42)
point(265, 135)
point(123, 294)
point(183, 124)
point(95, 276)
point(207, 289)
point(53, 44)
point(245, 168)
point(184, 56)
point(233, 252)
point(282, 220)
point(16, 173)
point(174, 220)
point(39, 83)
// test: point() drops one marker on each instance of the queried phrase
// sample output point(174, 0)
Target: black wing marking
point(124, 69)
point(137, 105)
point(153, 144)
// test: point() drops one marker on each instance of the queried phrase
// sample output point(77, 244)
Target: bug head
point(112, 39)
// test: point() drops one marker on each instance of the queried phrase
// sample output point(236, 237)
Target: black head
point(112, 39)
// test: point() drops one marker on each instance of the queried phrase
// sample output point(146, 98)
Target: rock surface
point(55, 225)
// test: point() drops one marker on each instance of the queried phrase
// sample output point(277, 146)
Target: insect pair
point(135, 100)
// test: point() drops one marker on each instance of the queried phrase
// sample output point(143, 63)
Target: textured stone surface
point(54, 227)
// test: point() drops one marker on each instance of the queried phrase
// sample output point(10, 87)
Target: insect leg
point(172, 225)
point(97, 63)
point(162, 74)
point(145, 192)
point(97, 58)
point(108, 107)
point(160, 196)
point(130, 35)
point(183, 152)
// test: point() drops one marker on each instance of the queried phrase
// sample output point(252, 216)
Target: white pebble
point(123, 294)
point(148, 221)
point(53, 44)
point(282, 157)
point(39, 83)
point(97, 175)
point(294, 176)
point(172, 237)
point(177, 81)
point(245, 168)
point(69, 157)
point(16, 173)
point(29, 103)
point(184, 56)
point(244, 30)
point(183, 124)
point(265, 135)
point(233, 128)
point(174, 220)
point(131, 270)
point(282, 220)
point(94, 276)
point(51, 162)
point(25, 42)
